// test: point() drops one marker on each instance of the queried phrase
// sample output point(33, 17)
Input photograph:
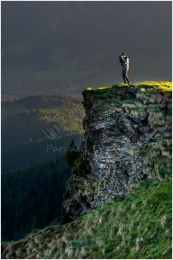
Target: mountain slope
point(138, 227)
point(32, 197)
point(121, 178)
point(38, 129)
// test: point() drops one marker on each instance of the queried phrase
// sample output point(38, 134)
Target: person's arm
point(122, 57)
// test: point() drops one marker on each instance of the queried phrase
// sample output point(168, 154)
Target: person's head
point(123, 54)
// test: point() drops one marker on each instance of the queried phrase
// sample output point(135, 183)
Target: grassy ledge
point(162, 85)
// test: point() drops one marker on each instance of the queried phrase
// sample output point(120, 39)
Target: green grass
point(137, 227)
point(102, 92)
point(120, 85)
point(157, 110)
point(103, 88)
point(163, 85)
point(143, 86)
point(89, 89)
point(129, 101)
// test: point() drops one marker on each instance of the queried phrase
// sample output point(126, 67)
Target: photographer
point(125, 60)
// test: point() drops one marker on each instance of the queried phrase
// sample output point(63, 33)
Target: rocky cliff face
point(128, 134)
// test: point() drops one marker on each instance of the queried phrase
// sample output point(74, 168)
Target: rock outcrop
point(128, 134)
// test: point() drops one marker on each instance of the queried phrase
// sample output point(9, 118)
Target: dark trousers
point(125, 76)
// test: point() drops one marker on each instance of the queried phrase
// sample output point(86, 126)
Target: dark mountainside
point(64, 16)
point(39, 126)
point(118, 199)
point(32, 197)
point(78, 43)
point(36, 132)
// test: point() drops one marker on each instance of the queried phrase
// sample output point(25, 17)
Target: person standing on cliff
point(125, 60)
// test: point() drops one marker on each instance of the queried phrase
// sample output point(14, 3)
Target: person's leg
point(124, 75)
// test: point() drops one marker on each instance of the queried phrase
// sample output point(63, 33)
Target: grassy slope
point(139, 227)
point(122, 230)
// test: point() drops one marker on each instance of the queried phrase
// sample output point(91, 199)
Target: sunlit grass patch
point(120, 85)
point(89, 89)
point(103, 88)
point(163, 85)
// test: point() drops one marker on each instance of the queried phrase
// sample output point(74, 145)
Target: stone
point(120, 145)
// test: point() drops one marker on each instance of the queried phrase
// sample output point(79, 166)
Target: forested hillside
point(32, 197)
point(36, 132)
point(38, 129)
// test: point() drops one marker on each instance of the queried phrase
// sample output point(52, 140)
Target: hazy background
point(62, 47)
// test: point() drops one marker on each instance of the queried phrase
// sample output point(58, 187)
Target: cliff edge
point(128, 138)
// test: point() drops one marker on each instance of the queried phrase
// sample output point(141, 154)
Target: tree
point(72, 154)
point(34, 224)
